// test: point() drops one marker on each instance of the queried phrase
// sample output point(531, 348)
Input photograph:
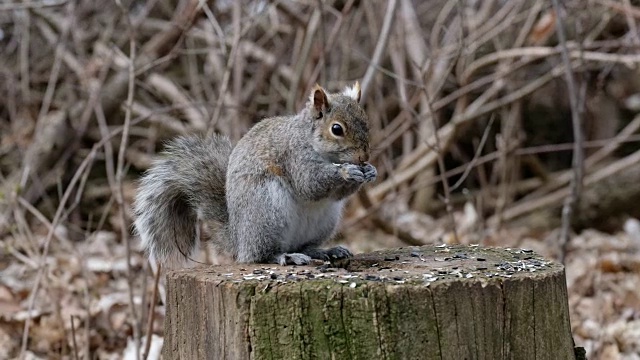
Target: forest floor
point(88, 280)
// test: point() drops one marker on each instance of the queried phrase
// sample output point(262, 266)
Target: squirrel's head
point(340, 125)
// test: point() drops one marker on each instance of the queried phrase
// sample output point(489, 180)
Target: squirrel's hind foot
point(334, 253)
point(293, 259)
point(330, 254)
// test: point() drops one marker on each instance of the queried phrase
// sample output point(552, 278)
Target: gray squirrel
point(274, 198)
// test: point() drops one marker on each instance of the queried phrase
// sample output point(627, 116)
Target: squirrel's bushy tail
point(186, 184)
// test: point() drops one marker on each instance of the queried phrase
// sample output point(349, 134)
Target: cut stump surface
point(430, 302)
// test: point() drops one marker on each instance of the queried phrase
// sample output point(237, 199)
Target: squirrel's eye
point(337, 130)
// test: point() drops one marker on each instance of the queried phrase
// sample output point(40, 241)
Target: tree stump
point(430, 302)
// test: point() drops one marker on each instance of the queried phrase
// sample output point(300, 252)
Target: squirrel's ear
point(353, 92)
point(319, 98)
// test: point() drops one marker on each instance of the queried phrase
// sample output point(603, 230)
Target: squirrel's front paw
point(352, 172)
point(370, 172)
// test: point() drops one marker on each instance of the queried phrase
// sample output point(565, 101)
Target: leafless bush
point(466, 100)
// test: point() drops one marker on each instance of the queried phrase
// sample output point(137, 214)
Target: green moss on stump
point(430, 302)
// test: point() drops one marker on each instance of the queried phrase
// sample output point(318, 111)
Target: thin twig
point(73, 338)
point(25, 33)
point(384, 225)
point(473, 161)
point(381, 44)
point(31, 5)
point(305, 53)
point(120, 176)
point(576, 122)
point(226, 76)
point(38, 215)
point(152, 306)
point(84, 166)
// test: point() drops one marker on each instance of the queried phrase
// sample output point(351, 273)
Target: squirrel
point(275, 197)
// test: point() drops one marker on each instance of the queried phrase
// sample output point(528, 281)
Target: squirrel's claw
point(370, 172)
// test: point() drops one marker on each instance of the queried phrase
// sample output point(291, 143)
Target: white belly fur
point(310, 221)
point(307, 221)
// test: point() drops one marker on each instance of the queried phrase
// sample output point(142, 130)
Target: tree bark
point(430, 302)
